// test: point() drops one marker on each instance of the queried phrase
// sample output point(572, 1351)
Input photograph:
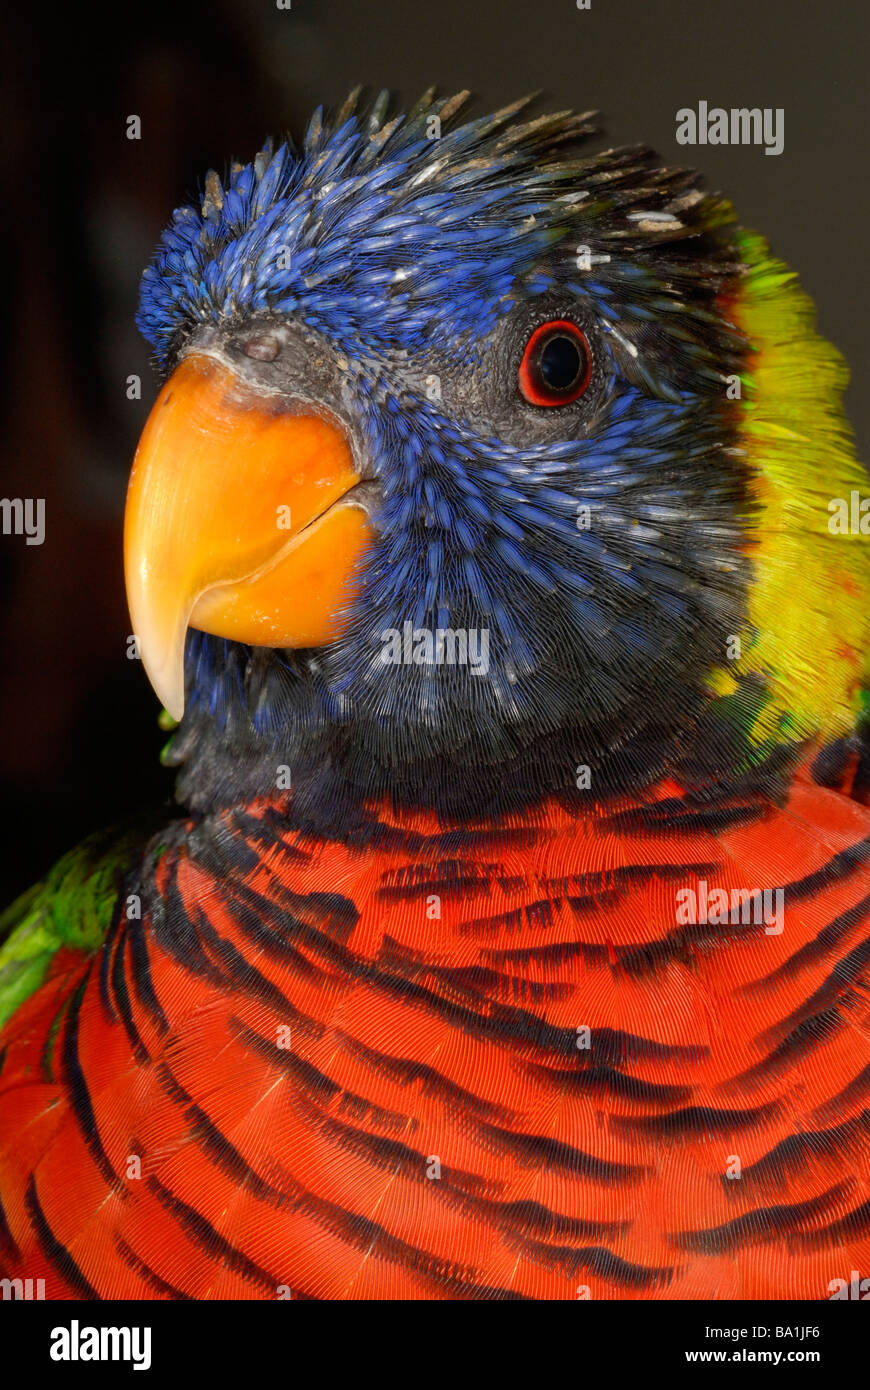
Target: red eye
point(556, 365)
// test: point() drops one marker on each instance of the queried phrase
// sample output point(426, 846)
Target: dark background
point(78, 732)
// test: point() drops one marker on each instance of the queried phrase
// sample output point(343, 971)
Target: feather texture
point(470, 1063)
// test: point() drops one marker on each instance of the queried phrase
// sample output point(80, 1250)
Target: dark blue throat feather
point(600, 545)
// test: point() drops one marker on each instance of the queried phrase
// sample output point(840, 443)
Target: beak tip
point(175, 709)
point(172, 699)
point(168, 686)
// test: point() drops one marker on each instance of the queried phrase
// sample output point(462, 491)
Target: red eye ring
point(557, 364)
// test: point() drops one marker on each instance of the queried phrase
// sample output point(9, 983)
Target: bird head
point(479, 459)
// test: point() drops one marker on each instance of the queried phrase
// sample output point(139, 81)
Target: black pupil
point(561, 362)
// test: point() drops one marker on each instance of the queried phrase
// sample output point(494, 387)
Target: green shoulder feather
point(73, 907)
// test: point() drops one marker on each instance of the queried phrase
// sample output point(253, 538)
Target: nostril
point(263, 349)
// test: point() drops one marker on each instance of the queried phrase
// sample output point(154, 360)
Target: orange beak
point(241, 521)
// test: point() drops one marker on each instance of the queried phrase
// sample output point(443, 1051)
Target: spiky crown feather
point(479, 207)
point(409, 253)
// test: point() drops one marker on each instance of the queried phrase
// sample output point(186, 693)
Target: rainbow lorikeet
point(495, 542)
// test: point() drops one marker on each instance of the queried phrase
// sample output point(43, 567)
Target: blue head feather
point(422, 249)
